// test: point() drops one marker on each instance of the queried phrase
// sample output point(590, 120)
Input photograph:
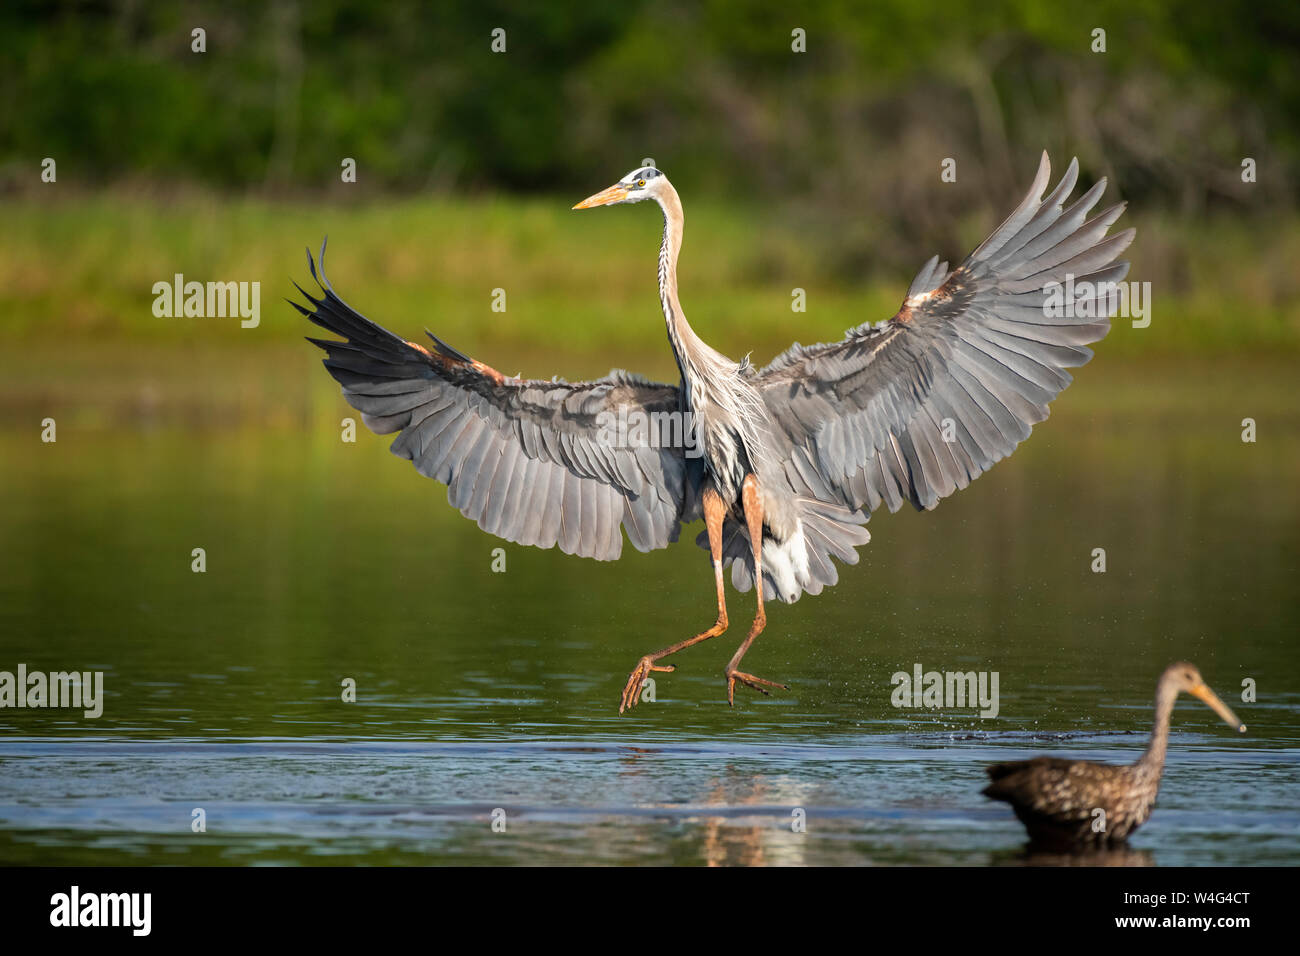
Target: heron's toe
point(636, 680)
point(749, 680)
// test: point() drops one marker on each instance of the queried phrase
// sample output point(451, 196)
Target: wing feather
point(529, 460)
point(917, 407)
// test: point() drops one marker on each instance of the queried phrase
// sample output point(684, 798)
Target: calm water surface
point(479, 690)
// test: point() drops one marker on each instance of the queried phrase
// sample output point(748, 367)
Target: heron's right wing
point(919, 406)
point(534, 462)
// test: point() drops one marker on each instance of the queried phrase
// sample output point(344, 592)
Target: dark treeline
point(713, 91)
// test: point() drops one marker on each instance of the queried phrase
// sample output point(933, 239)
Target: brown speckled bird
point(1057, 800)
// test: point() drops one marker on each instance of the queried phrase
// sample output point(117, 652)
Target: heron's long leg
point(714, 512)
point(753, 502)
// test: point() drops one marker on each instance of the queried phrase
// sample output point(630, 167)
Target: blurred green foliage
point(713, 91)
point(817, 169)
point(580, 286)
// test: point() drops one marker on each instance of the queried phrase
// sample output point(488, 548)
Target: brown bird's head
point(1182, 677)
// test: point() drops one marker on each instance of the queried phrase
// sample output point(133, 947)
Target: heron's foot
point(749, 680)
point(635, 680)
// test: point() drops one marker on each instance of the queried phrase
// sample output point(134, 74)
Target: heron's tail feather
point(802, 562)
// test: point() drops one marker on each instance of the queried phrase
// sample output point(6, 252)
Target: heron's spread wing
point(916, 407)
point(534, 462)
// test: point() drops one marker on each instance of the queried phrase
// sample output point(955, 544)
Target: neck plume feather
point(680, 333)
point(713, 386)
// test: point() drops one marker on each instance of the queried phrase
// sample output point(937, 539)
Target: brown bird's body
point(1077, 803)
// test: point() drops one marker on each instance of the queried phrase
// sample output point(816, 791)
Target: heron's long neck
point(680, 334)
point(1154, 759)
point(713, 386)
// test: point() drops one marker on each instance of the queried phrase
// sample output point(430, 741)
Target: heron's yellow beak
point(604, 197)
point(1218, 706)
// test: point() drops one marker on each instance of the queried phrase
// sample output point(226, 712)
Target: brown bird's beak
point(1219, 707)
point(604, 197)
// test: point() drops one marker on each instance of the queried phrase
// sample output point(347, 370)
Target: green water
point(478, 690)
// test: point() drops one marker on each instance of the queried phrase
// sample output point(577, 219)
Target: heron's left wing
point(532, 461)
point(918, 406)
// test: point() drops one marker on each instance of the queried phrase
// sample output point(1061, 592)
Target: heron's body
point(1078, 803)
point(733, 427)
point(787, 461)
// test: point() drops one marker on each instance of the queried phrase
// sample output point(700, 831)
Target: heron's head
point(640, 184)
point(1185, 678)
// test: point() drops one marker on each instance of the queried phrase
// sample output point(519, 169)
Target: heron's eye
point(640, 183)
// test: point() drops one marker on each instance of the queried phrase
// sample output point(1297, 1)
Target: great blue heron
point(783, 463)
point(1057, 800)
